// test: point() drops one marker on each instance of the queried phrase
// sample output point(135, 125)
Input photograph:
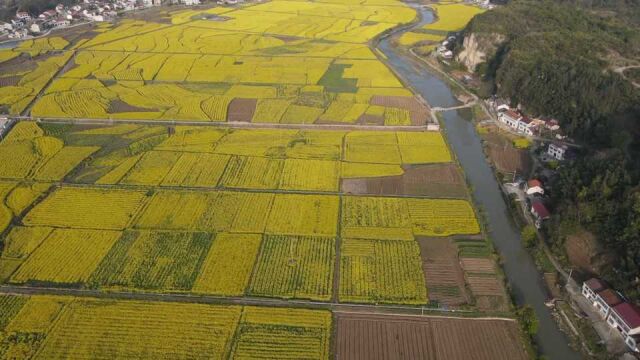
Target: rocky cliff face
point(478, 48)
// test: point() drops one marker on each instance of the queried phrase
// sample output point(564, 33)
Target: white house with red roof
point(510, 117)
point(626, 318)
point(526, 126)
point(534, 186)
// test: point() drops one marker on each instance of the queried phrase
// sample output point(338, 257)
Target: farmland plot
point(153, 260)
point(381, 271)
point(362, 336)
point(295, 267)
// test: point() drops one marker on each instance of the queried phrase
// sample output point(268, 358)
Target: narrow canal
point(522, 275)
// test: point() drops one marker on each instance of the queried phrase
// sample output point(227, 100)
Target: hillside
point(576, 63)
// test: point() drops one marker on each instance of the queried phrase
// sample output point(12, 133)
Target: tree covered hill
point(564, 59)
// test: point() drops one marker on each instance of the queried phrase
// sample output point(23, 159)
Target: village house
point(534, 186)
point(47, 14)
point(526, 126)
point(591, 287)
point(510, 117)
point(34, 28)
point(558, 151)
point(59, 8)
point(539, 212)
point(23, 15)
point(626, 318)
point(605, 301)
point(553, 125)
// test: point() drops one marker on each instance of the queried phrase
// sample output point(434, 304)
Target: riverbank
point(522, 274)
point(508, 162)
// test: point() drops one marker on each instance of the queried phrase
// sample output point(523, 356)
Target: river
point(522, 275)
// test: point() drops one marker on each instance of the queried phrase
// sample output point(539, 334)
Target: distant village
point(25, 25)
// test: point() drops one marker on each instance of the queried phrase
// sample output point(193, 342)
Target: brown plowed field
point(437, 180)
point(368, 119)
point(485, 285)
point(241, 110)
point(418, 111)
point(370, 337)
point(478, 265)
point(444, 277)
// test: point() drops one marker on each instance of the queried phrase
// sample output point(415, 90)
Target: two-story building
point(592, 287)
point(558, 151)
point(619, 314)
point(626, 318)
point(510, 117)
point(605, 301)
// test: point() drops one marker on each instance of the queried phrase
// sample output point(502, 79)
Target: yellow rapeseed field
point(86, 208)
point(381, 271)
point(67, 256)
point(293, 214)
point(227, 268)
point(295, 267)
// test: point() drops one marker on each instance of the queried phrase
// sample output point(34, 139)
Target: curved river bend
point(522, 275)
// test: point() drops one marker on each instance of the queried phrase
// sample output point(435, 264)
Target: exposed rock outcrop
point(476, 48)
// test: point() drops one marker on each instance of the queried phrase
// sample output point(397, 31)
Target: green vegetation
point(556, 60)
point(559, 60)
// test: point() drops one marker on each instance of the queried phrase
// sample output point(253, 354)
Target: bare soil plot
point(485, 285)
point(505, 157)
point(418, 111)
point(477, 265)
point(370, 337)
point(116, 106)
point(368, 119)
point(437, 180)
point(241, 109)
point(10, 80)
point(444, 277)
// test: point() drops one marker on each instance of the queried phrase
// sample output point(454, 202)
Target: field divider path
point(233, 189)
point(228, 124)
point(251, 301)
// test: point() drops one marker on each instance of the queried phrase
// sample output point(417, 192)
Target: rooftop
point(512, 114)
point(629, 313)
point(534, 182)
point(540, 209)
point(610, 297)
point(596, 285)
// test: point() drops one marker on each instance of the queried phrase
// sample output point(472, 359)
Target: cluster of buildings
point(534, 189)
point(444, 49)
point(522, 124)
point(618, 313)
point(24, 24)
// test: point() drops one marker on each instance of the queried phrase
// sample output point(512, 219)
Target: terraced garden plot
point(295, 267)
point(381, 271)
point(153, 260)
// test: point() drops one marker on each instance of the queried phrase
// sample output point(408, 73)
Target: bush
point(529, 235)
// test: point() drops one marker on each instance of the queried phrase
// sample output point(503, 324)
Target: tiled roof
point(629, 313)
point(610, 297)
point(596, 285)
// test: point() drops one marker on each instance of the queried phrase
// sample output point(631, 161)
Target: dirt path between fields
point(247, 301)
point(235, 125)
